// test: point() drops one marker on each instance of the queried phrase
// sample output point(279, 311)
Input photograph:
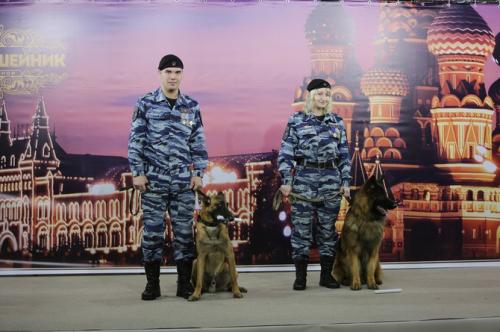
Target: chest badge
point(187, 117)
point(335, 133)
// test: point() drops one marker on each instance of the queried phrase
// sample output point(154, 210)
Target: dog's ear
point(205, 199)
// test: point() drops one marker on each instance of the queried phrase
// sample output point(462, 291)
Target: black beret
point(170, 60)
point(318, 83)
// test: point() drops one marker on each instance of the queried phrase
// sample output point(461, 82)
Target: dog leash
point(278, 199)
point(136, 212)
point(130, 197)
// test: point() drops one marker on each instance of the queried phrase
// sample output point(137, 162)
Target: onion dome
point(329, 23)
point(405, 21)
point(384, 82)
point(460, 30)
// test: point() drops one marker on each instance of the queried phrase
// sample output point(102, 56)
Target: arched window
point(61, 239)
point(75, 240)
point(115, 238)
point(101, 239)
point(88, 240)
point(46, 151)
point(43, 241)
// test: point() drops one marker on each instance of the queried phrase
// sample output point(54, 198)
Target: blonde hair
point(310, 102)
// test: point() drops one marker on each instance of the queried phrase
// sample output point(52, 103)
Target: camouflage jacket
point(166, 138)
point(315, 141)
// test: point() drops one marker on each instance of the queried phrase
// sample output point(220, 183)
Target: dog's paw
point(243, 289)
point(237, 295)
point(194, 297)
point(372, 285)
point(356, 285)
point(378, 281)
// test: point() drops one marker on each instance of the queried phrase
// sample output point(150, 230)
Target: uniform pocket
point(157, 126)
point(307, 137)
point(306, 131)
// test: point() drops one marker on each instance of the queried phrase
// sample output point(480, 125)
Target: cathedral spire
point(378, 172)
point(357, 167)
point(5, 139)
point(40, 147)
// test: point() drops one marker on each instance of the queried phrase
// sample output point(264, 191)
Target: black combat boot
point(152, 290)
point(184, 287)
point(326, 279)
point(300, 274)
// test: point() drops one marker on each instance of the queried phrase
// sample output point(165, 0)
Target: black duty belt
point(318, 202)
point(321, 165)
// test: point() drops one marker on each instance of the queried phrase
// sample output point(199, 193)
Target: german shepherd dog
point(357, 259)
point(215, 267)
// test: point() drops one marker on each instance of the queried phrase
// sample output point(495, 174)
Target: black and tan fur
point(215, 266)
point(357, 258)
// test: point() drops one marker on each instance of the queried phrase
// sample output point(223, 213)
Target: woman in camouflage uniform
point(314, 162)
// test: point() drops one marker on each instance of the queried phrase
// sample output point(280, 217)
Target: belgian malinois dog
point(215, 267)
point(357, 259)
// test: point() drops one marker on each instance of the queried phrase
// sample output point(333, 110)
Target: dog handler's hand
point(286, 190)
point(140, 183)
point(196, 183)
point(346, 192)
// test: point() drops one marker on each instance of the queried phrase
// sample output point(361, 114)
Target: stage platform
point(449, 298)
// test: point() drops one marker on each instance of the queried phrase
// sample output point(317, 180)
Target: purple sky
point(242, 63)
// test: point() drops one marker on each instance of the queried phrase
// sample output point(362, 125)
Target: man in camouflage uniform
point(167, 156)
point(314, 162)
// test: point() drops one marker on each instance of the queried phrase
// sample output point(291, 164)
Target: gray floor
point(466, 297)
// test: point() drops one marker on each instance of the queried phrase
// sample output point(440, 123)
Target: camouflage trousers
point(315, 183)
point(167, 191)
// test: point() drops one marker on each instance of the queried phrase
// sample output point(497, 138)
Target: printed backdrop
point(417, 87)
